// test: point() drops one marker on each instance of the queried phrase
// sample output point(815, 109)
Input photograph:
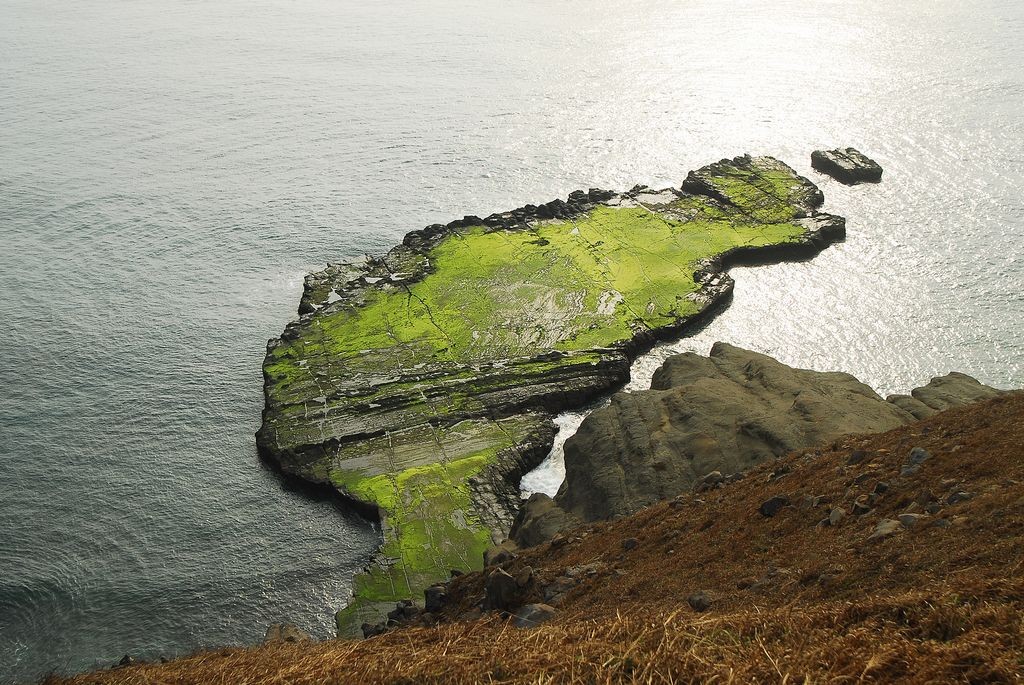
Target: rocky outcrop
point(421, 385)
point(719, 415)
point(847, 166)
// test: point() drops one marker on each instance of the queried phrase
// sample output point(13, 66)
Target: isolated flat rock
point(726, 412)
point(847, 165)
point(421, 385)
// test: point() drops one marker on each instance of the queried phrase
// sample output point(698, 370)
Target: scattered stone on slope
point(285, 632)
point(885, 528)
point(533, 615)
point(500, 590)
point(918, 456)
point(499, 554)
point(699, 601)
point(435, 597)
point(770, 507)
point(847, 165)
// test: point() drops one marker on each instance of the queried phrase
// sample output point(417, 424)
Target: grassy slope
point(929, 604)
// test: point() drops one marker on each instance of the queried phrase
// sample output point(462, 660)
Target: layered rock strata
point(721, 415)
point(421, 385)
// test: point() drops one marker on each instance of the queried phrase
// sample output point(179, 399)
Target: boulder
point(941, 393)
point(699, 601)
point(886, 528)
point(725, 413)
point(773, 505)
point(533, 615)
point(285, 632)
point(499, 554)
point(500, 590)
point(435, 597)
point(539, 520)
point(846, 165)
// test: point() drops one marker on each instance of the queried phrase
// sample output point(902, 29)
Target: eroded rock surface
point(847, 165)
point(422, 384)
point(723, 413)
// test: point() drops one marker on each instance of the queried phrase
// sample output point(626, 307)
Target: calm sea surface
point(170, 169)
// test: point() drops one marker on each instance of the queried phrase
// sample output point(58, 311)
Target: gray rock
point(557, 589)
point(435, 597)
point(726, 412)
point(540, 519)
point(524, 576)
point(586, 570)
point(943, 392)
point(856, 457)
point(770, 507)
point(860, 508)
point(959, 496)
point(699, 601)
point(500, 590)
point(919, 455)
point(847, 165)
point(630, 543)
point(533, 615)
point(499, 554)
point(910, 520)
point(285, 632)
point(836, 516)
point(886, 528)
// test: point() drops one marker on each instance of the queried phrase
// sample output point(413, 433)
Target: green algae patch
point(431, 524)
point(414, 377)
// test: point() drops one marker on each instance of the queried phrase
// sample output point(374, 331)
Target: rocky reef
point(705, 421)
point(847, 165)
point(421, 385)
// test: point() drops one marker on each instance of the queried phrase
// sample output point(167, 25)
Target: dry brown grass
point(929, 605)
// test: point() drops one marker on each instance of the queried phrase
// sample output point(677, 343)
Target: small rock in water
point(848, 165)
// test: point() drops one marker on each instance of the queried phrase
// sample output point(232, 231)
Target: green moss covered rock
point(421, 385)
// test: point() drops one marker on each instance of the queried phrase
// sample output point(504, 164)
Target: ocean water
point(169, 171)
